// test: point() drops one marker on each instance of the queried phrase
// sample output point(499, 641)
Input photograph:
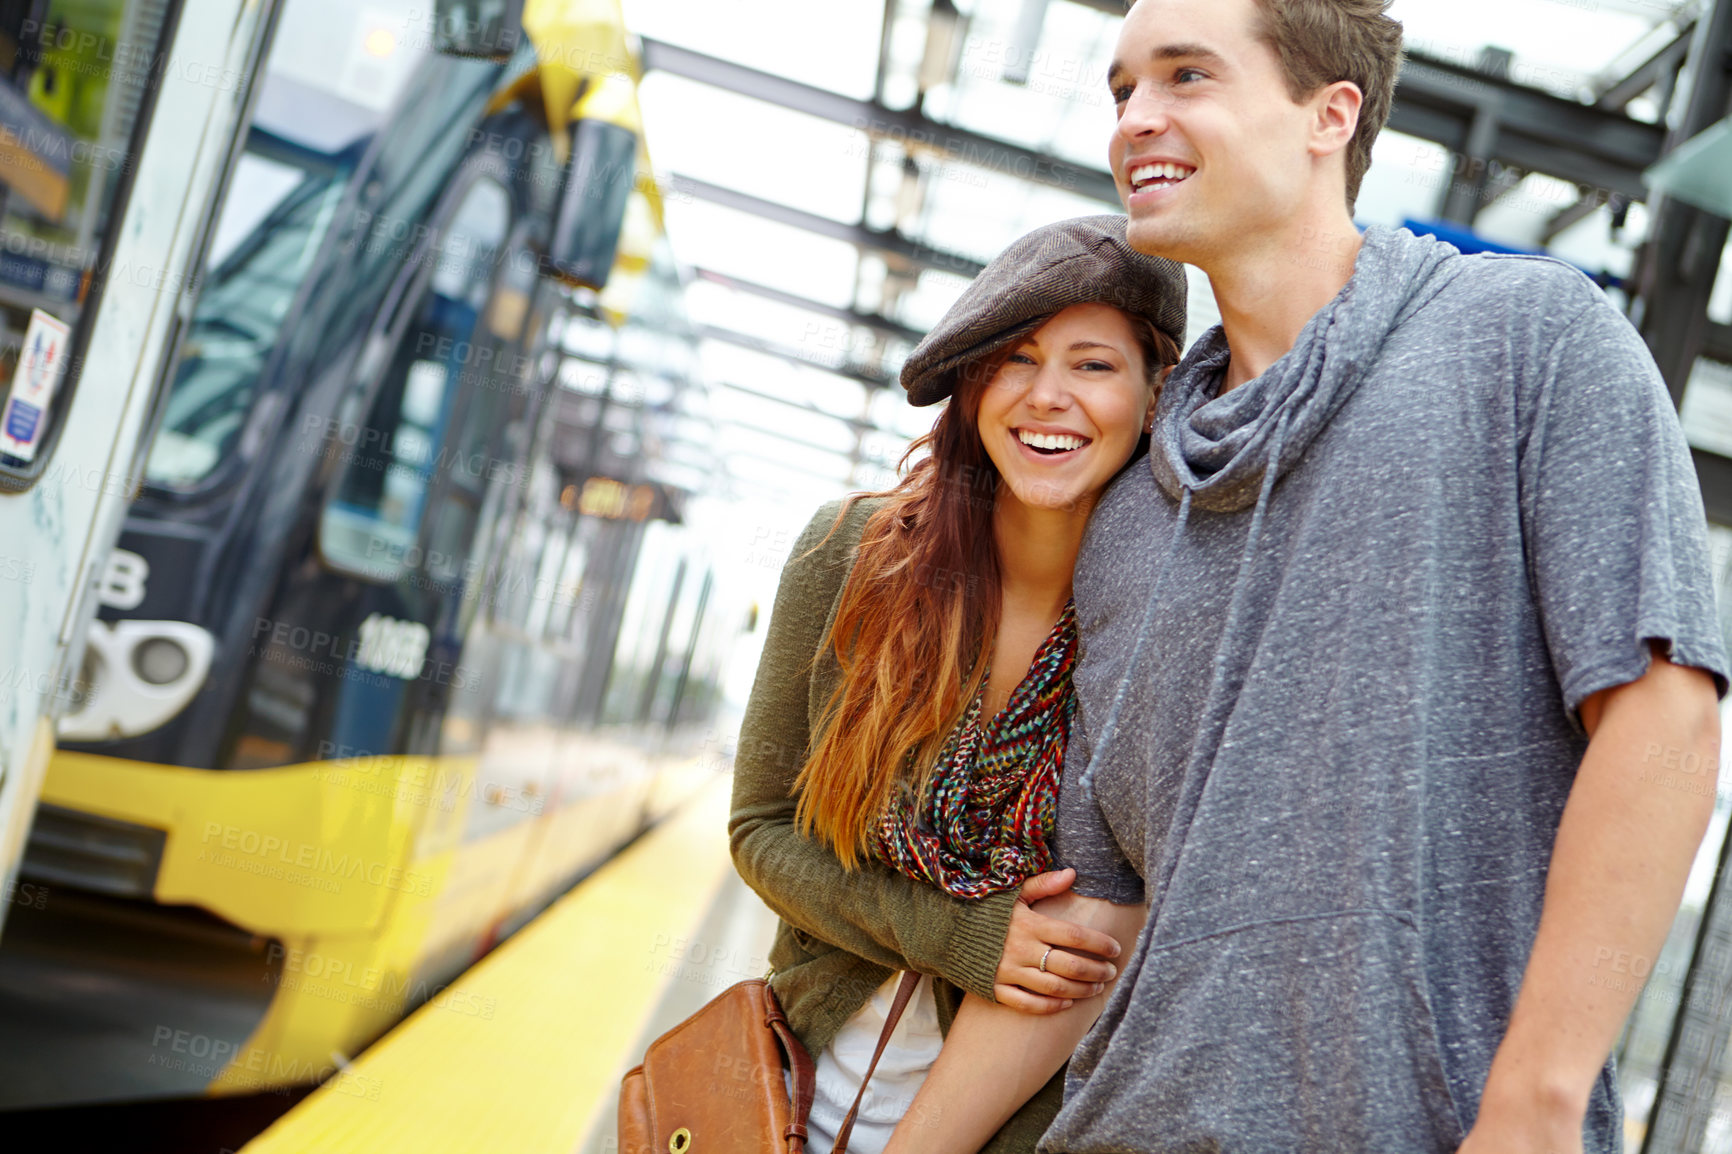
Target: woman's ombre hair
point(914, 627)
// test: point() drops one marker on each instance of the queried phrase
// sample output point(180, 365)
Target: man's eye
point(1122, 93)
point(1184, 75)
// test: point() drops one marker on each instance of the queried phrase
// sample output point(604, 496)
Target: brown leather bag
point(713, 1084)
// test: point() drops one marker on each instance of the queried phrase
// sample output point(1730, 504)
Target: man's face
point(1210, 151)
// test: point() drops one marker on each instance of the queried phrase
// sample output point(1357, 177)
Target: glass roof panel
point(1060, 108)
point(799, 383)
point(822, 340)
point(974, 212)
point(890, 410)
point(776, 255)
point(833, 45)
point(738, 440)
point(1559, 45)
point(775, 153)
point(750, 410)
point(933, 294)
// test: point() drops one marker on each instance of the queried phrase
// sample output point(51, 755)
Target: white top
point(842, 1065)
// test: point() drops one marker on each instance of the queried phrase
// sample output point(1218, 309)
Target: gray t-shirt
point(1349, 728)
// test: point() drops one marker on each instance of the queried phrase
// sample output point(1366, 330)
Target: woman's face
point(1064, 413)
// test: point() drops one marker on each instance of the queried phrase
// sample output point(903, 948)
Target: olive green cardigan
point(845, 933)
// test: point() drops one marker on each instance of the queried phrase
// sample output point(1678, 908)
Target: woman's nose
point(1049, 389)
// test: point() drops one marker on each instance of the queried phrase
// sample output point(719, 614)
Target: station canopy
point(834, 174)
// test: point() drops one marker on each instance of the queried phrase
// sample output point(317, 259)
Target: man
point(1379, 664)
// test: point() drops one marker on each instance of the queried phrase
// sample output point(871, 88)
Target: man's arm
point(1624, 850)
point(996, 1058)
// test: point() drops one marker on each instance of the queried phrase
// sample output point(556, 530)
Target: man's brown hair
point(1320, 42)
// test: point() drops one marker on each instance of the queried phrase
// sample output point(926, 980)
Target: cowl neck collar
point(1219, 449)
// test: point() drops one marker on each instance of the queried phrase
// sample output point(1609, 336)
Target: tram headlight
point(161, 660)
point(137, 676)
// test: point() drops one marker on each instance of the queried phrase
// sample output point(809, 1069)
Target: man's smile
point(1158, 174)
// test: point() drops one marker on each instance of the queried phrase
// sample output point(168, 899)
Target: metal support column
point(1682, 257)
point(1466, 193)
point(1679, 265)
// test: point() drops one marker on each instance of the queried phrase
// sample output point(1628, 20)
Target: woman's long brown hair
point(913, 630)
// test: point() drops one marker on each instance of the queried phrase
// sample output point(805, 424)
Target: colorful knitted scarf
point(984, 821)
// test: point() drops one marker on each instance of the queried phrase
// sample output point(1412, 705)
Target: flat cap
point(1057, 265)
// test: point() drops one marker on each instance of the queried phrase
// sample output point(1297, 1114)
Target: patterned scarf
point(984, 822)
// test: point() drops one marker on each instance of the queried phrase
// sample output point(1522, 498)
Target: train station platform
point(524, 1052)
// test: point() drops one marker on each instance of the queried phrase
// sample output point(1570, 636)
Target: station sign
point(613, 500)
point(41, 363)
point(485, 28)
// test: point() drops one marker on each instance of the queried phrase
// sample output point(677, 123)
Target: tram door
point(116, 124)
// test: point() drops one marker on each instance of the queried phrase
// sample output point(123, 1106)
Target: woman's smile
point(1050, 444)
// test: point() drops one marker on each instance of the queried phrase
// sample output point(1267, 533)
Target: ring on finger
point(1043, 959)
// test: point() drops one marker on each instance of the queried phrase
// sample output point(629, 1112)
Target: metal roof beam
point(855, 423)
point(889, 242)
point(1436, 100)
point(862, 374)
point(1656, 68)
point(1568, 217)
point(1599, 148)
point(853, 457)
point(872, 321)
point(915, 132)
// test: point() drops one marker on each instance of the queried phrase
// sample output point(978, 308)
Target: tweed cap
point(1058, 265)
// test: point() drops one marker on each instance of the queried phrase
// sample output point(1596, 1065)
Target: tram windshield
point(321, 100)
point(75, 81)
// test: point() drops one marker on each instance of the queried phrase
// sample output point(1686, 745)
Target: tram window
point(457, 516)
point(334, 72)
point(660, 584)
point(74, 80)
point(241, 312)
point(373, 521)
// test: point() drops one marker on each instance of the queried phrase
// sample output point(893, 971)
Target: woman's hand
point(1074, 955)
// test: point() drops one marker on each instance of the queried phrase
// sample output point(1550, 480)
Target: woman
point(899, 760)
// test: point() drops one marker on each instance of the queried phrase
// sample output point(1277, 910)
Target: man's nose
point(1145, 112)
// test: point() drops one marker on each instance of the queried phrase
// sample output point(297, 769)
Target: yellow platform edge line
point(521, 1051)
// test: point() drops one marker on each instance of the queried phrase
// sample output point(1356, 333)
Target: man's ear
point(1337, 116)
point(1155, 398)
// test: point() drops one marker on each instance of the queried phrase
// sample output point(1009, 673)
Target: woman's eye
point(1020, 359)
point(1097, 366)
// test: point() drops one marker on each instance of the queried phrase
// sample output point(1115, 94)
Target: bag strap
point(904, 992)
point(804, 1070)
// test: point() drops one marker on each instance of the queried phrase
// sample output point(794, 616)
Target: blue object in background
point(1469, 241)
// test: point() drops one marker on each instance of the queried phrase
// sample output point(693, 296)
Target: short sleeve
point(1085, 842)
point(1612, 518)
